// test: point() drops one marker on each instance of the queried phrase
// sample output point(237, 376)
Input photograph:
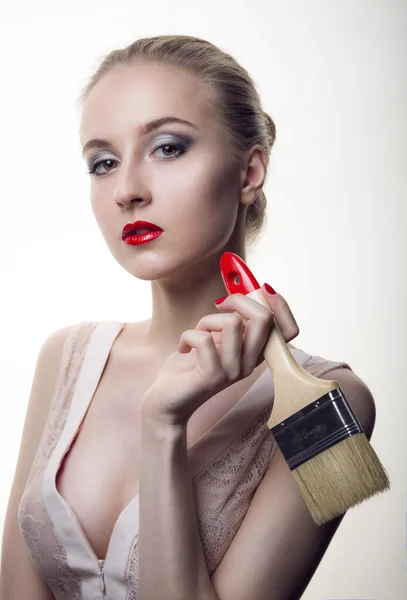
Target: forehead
point(130, 95)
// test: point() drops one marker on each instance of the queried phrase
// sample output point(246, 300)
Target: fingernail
point(221, 299)
point(269, 289)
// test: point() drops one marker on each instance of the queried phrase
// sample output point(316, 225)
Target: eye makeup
point(180, 143)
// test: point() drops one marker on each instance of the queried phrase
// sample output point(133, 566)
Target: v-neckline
point(97, 358)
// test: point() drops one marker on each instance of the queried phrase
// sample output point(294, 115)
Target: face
point(178, 177)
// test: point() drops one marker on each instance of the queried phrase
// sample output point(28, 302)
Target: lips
point(137, 226)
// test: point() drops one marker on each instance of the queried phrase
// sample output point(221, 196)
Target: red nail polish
point(269, 289)
point(221, 299)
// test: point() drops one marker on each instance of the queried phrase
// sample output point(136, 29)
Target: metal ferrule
point(315, 428)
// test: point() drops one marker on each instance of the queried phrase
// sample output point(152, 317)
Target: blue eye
point(180, 147)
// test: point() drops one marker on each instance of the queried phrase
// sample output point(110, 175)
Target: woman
point(156, 475)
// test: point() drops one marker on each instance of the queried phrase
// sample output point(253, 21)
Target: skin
point(200, 200)
point(205, 192)
point(208, 196)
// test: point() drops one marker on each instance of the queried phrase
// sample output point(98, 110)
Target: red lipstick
point(140, 232)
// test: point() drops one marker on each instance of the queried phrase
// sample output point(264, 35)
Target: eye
point(181, 148)
point(92, 170)
point(171, 145)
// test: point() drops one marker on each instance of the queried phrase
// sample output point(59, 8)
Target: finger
point(285, 318)
point(248, 308)
point(259, 322)
point(256, 335)
point(282, 312)
point(231, 328)
point(206, 352)
point(184, 347)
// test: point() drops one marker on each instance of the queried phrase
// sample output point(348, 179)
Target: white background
point(333, 77)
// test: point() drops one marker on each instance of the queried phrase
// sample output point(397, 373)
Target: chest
point(99, 473)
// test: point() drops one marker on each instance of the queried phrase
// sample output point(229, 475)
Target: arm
point(19, 578)
point(278, 547)
point(171, 560)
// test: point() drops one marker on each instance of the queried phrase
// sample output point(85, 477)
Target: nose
point(128, 191)
point(127, 201)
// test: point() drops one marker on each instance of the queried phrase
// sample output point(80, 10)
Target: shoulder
point(52, 348)
point(43, 387)
point(54, 359)
point(56, 340)
point(64, 339)
point(356, 391)
point(279, 522)
point(357, 394)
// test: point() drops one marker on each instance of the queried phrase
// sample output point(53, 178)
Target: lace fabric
point(223, 490)
point(44, 547)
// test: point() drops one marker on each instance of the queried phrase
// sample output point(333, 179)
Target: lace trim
point(318, 366)
point(44, 547)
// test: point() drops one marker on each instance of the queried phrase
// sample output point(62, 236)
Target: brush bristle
point(341, 477)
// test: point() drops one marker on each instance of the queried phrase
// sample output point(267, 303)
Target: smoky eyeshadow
point(184, 141)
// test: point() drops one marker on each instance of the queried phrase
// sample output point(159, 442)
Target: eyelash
point(180, 147)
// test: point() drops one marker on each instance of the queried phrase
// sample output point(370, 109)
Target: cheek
point(103, 213)
point(211, 217)
point(207, 191)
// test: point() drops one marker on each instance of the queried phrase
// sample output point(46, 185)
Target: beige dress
point(227, 464)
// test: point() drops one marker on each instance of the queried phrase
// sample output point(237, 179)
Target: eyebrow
point(141, 131)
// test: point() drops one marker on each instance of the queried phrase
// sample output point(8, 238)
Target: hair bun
point(271, 128)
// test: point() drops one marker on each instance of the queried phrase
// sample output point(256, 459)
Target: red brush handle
point(294, 387)
point(237, 277)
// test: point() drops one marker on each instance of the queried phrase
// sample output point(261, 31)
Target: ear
point(253, 174)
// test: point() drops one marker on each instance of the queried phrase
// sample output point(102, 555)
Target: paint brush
point(319, 435)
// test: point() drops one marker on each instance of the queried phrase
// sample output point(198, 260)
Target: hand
point(220, 351)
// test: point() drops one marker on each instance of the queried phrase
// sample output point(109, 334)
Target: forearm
point(171, 560)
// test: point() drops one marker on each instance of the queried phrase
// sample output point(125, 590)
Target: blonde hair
point(228, 88)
